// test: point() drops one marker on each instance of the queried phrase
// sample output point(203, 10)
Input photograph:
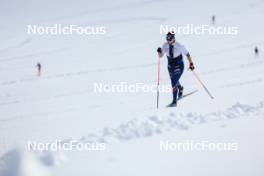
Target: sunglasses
point(170, 39)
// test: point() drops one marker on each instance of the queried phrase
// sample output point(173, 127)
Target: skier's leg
point(173, 84)
point(175, 74)
point(179, 86)
point(174, 92)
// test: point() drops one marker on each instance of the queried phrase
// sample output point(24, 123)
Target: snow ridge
point(154, 125)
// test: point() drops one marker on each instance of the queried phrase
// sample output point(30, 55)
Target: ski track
point(52, 51)
point(250, 7)
point(18, 45)
point(124, 7)
point(94, 106)
point(39, 53)
point(22, 116)
point(122, 68)
point(239, 66)
point(78, 73)
point(242, 83)
point(126, 20)
point(16, 100)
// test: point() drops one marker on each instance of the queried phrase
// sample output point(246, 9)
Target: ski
point(184, 96)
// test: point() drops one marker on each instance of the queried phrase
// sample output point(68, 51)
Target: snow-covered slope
point(61, 104)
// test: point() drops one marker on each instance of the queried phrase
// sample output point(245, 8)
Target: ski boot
point(172, 104)
point(180, 88)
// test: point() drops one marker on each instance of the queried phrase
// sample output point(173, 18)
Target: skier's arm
point(161, 50)
point(160, 53)
point(191, 65)
point(187, 54)
point(189, 58)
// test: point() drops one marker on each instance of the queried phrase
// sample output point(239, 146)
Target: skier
point(174, 51)
point(213, 19)
point(39, 68)
point(256, 51)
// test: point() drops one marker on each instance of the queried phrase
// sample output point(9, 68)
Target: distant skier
point(213, 19)
point(174, 52)
point(39, 69)
point(256, 50)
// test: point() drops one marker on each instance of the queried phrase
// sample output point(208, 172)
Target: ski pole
point(197, 77)
point(158, 82)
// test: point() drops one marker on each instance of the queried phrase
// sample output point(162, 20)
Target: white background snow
point(61, 104)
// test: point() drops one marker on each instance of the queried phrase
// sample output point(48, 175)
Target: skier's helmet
point(170, 36)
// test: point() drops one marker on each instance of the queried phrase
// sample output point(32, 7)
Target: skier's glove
point(159, 50)
point(191, 66)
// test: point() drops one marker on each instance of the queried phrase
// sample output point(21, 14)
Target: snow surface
point(61, 103)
